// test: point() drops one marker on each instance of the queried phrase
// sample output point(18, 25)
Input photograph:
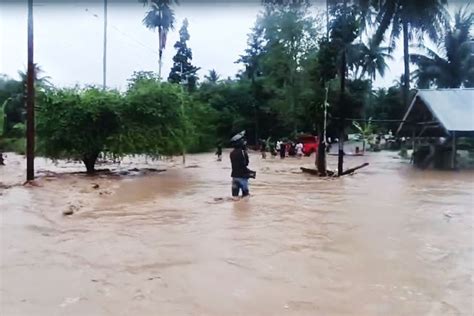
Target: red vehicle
point(310, 144)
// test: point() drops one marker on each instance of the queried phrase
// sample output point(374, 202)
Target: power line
point(123, 33)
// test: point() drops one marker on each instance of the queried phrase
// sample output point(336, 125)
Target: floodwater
point(389, 240)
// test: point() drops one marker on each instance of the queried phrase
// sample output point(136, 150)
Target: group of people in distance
point(292, 149)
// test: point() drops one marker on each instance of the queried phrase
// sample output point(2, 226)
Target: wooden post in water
point(453, 152)
point(30, 101)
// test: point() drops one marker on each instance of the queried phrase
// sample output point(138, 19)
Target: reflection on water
point(389, 240)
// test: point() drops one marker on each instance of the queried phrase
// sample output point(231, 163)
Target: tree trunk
point(388, 11)
point(406, 62)
point(340, 160)
point(321, 158)
point(89, 161)
point(160, 52)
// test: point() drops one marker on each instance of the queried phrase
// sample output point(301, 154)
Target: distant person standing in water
point(273, 152)
point(282, 150)
point(263, 149)
point(240, 172)
point(299, 150)
point(219, 152)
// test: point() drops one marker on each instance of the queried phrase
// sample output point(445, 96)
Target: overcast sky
point(69, 39)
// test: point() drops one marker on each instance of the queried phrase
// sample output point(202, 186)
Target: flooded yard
point(389, 240)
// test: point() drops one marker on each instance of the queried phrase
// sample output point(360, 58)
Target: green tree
point(12, 99)
point(231, 101)
point(386, 104)
point(183, 70)
point(213, 77)
point(453, 67)
point(290, 37)
point(152, 118)
point(160, 17)
point(41, 81)
point(369, 60)
point(252, 60)
point(13, 92)
point(79, 124)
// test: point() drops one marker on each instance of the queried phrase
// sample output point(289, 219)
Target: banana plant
point(365, 131)
point(2, 117)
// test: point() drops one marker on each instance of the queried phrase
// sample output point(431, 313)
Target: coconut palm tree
point(409, 18)
point(41, 81)
point(368, 60)
point(160, 17)
point(453, 66)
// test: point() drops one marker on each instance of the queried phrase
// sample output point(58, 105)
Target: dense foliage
point(292, 58)
point(151, 118)
point(79, 124)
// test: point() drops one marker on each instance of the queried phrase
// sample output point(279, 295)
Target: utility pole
point(104, 70)
point(182, 82)
point(327, 19)
point(30, 101)
point(342, 109)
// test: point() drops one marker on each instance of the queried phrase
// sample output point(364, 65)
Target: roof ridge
point(446, 89)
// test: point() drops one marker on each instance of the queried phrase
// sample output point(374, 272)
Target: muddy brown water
point(389, 240)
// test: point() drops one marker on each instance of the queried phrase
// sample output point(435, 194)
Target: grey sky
point(68, 39)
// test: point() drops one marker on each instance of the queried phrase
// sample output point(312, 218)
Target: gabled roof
point(452, 108)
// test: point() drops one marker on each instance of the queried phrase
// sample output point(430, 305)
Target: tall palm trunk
point(321, 153)
point(160, 52)
point(406, 62)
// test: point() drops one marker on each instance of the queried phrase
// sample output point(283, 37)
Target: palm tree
point(453, 67)
point(213, 77)
point(160, 17)
point(368, 60)
point(41, 82)
point(409, 18)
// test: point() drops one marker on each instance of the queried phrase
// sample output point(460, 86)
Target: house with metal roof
point(447, 113)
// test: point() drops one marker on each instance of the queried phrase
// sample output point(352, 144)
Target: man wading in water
point(240, 160)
